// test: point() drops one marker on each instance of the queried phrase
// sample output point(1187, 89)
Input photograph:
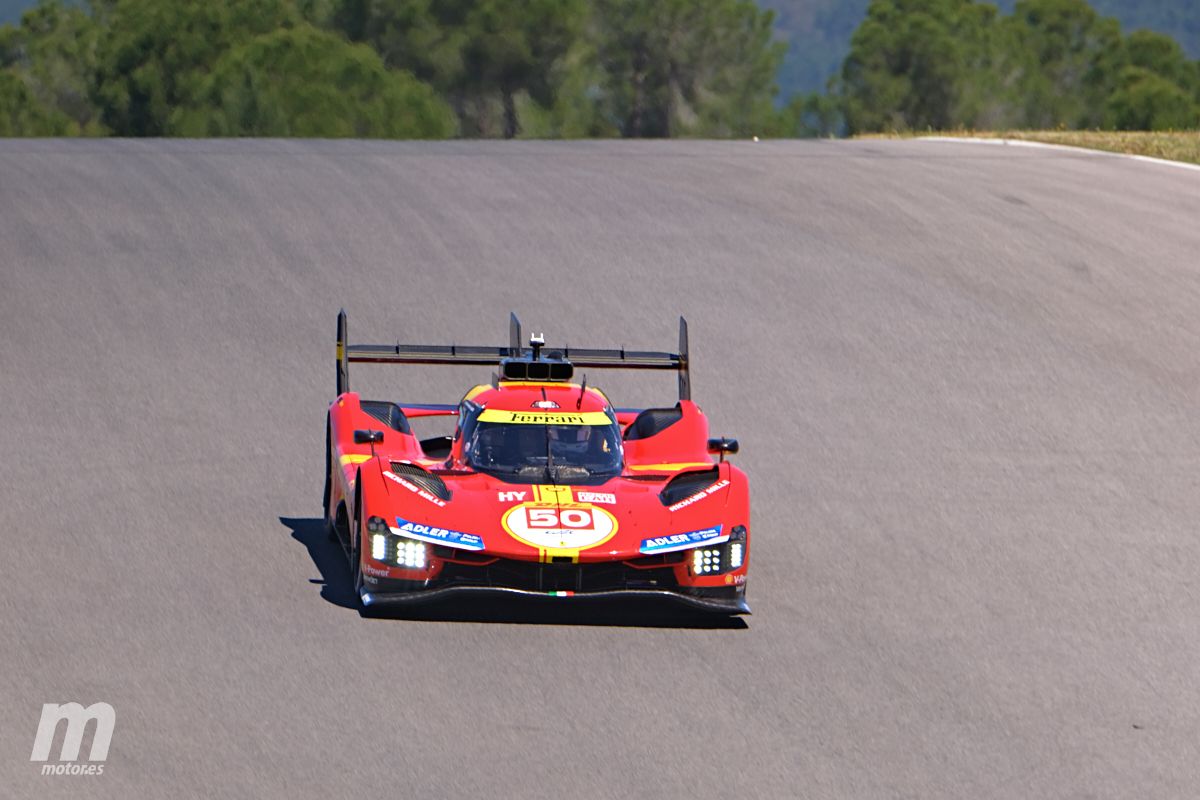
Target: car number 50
point(578, 519)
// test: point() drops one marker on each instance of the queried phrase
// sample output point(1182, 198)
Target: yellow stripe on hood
point(539, 417)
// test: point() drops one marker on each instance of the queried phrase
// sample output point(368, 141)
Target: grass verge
point(1171, 145)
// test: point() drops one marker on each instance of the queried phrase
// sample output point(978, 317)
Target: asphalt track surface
point(964, 377)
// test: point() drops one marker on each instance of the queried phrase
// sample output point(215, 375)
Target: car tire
point(356, 529)
point(330, 521)
point(355, 554)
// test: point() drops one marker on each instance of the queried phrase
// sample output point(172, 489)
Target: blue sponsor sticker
point(682, 541)
point(430, 533)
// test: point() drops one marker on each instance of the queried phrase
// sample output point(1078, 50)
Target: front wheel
point(330, 519)
point(356, 538)
point(355, 554)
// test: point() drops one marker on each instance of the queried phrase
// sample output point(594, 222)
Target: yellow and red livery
point(543, 489)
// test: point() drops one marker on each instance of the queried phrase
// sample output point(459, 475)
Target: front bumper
point(655, 579)
point(733, 602)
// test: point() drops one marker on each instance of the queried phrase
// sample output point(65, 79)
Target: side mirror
point(368, 437)
point(723, 446)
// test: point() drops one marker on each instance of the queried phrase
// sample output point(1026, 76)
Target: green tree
point(21, 114)
point(1146, 101)
point(422, 36)
point(912, 64)
point(514, 46)
point(917, 64)
point(1163, 56)
point(1074, 60)
point(809, 115)
point(62, 56)
point(54, 53)
point(693, 67)
point(480, 54)
point(1179, 19)
point(575, 110)
point(155, 54)
point(304, 82)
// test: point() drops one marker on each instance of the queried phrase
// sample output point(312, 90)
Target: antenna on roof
point(582, 389)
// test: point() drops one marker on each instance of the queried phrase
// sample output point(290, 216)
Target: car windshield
point(535, 452)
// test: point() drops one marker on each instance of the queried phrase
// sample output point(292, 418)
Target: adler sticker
point(683, 541)
point(435, 535)
point(568, 528)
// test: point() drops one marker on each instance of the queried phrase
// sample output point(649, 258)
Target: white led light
point(707, 561)
point(735, 555)
point(378, 546)
point(410, 553)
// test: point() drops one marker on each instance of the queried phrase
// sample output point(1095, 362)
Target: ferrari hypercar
point(544, 489)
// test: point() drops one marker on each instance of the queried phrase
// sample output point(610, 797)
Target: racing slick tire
point(356, 578)
point(355, 554)
point(330, 520)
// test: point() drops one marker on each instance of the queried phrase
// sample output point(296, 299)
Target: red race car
point(543, 490)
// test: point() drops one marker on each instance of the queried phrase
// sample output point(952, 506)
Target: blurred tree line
point(946, 64)
point(818, 32)
point(389, 68)
point(571, 68)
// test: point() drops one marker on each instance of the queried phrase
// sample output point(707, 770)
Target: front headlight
point(411, 553)
point(706, 560)
point(721, 558)
point(399, 551)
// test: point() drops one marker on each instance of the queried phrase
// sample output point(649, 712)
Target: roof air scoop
point(549, 369)
point(534, 365)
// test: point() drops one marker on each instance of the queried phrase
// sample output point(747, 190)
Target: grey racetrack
point(965, 379)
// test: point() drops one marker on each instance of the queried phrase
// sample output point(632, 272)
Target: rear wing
point(468, 355)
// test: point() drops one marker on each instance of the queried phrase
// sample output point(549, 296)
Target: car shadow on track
point(328, 556)
point(336, 587)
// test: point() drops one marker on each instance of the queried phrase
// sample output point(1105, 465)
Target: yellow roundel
point(559, 530)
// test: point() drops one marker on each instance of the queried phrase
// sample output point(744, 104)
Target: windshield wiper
point(513, 470)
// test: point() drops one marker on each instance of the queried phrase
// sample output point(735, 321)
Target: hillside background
point(818, 31)
point(10, 10)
